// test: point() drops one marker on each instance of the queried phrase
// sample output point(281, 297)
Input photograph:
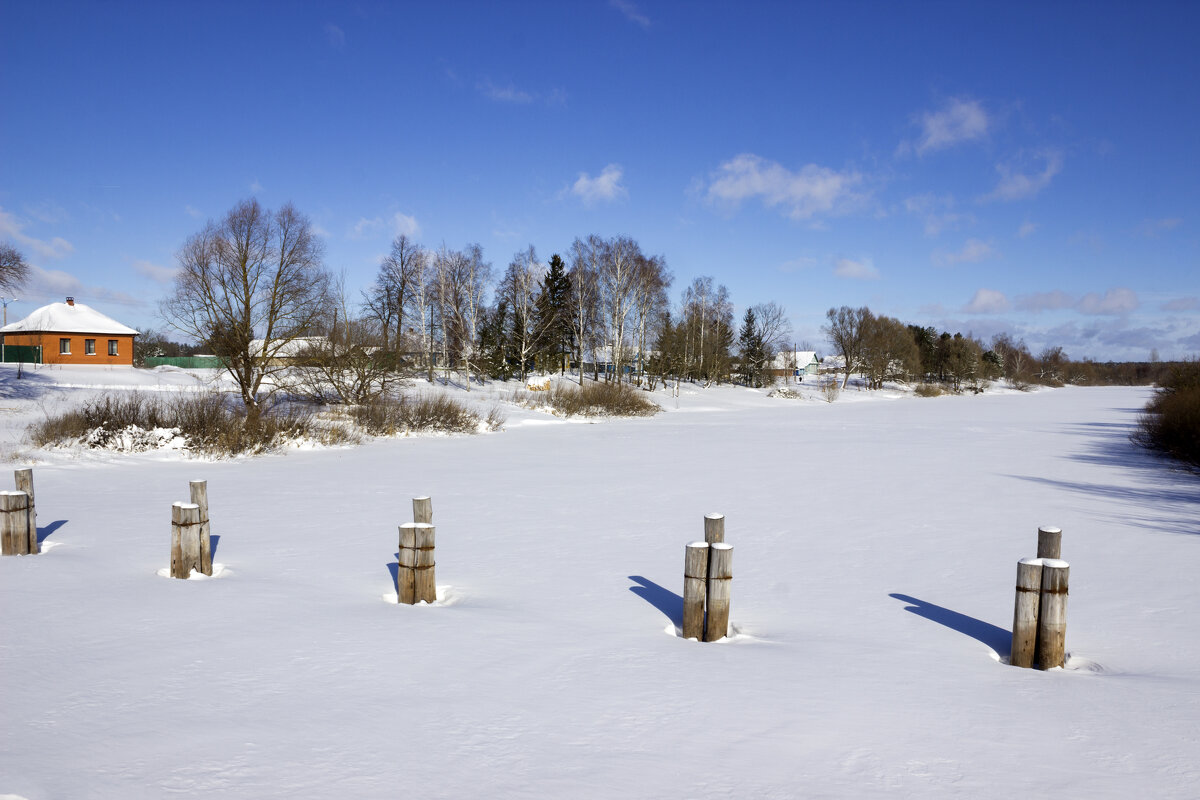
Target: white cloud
point(974, 251)
point(46, 285)
point(398, 223)
point(988, 301)
point(631, 12)
point(937, 212)
point(365, 227)
point(960, 121)
point(1027, 229)
point(154, 272)
point(13, 227)
point(504, 94)
point(1018, 185)
point(605, 187)
point(1114, 301)
point(46, 211)
point(193, 212)
point(812, 190)
point(1045, 301)
point(405, 225)
point(255, 186)
point(335, 35)
point(863, 269)
point(1181, 304)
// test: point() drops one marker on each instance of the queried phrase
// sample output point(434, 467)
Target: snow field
point(875, 551)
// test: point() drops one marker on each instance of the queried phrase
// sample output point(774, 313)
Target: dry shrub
point(831, 389)
point(388, 416)
point(208, 423)
point(595, 399)
point(928, 390)
point(1171, 423)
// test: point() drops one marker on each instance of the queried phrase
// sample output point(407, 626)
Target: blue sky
point(979, 167)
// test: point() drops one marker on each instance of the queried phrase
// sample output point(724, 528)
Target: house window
point(64, 347)
point(112, 347)
point(89, 347)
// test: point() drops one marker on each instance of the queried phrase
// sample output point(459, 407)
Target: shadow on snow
point(991, 635)
point(663, 599)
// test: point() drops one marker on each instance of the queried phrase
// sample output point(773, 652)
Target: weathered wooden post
point(1025, 613)
point(1049, 542)
point(425, 562)
point(695, 576)
point(714, 528)
point(199, 492)
point(14, 525)
point(185, 539)
point(24, 482)
point(423, 510)
point(1052, 614)
point(406, 572)
point(720, 576)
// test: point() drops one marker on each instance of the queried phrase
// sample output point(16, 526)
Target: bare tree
point(518, 288)
point(14, 269)
point(845, 331)
point(649, 303)
point(391, 294)
point(254, 273)
point(774, 327)
point(347, 364)
point(584, 293)
point(617, 281)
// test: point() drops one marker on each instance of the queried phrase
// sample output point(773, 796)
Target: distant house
point(285, 353)
point(69, 333)
point(791, 363)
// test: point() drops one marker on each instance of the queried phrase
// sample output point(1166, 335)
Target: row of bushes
point(593, 399)
point(213, 424)
point(1171, 423)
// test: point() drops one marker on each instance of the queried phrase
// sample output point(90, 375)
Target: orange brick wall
point(50, 354)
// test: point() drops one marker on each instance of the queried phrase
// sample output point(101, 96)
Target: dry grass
point(594, 399)
point(208, 423)
point(1171, 423)
point(928, 390)
point(388, 416)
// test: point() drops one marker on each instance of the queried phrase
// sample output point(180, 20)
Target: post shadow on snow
point(45, 531)
point(394, 571)
point(994, 637)
point(660, 597)
point(213, 541)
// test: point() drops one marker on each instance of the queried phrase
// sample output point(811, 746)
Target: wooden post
point(24, 481)
point(185, 539)
point(720, 576)
point(423, 510)
point(714, 528)
point(14, 524)
point(1052, 616)
point(199, 491)
point(426, 584)
point(406, 574)
point(1025, 613)
point(1049, 542)
point(695, 576)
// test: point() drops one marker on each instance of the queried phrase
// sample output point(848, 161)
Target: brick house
point(72, 333)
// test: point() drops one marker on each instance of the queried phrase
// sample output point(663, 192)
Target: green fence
point(185, 362)
point(22, 354)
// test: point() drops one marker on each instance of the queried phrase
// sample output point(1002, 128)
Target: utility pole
point(3, 338)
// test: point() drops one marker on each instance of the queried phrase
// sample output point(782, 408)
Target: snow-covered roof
point(794, 360)
point(67, 318)
point(289, 349)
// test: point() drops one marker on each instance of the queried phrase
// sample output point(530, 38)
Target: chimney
point(70, 301)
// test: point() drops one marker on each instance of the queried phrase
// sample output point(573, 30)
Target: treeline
point(882, 348)
point(603, 310)
point(1171, 423)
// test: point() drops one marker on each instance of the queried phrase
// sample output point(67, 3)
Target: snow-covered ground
point(875, 548)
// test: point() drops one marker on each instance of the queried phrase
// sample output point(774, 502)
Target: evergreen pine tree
point(753, 352)
point(552, 314)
